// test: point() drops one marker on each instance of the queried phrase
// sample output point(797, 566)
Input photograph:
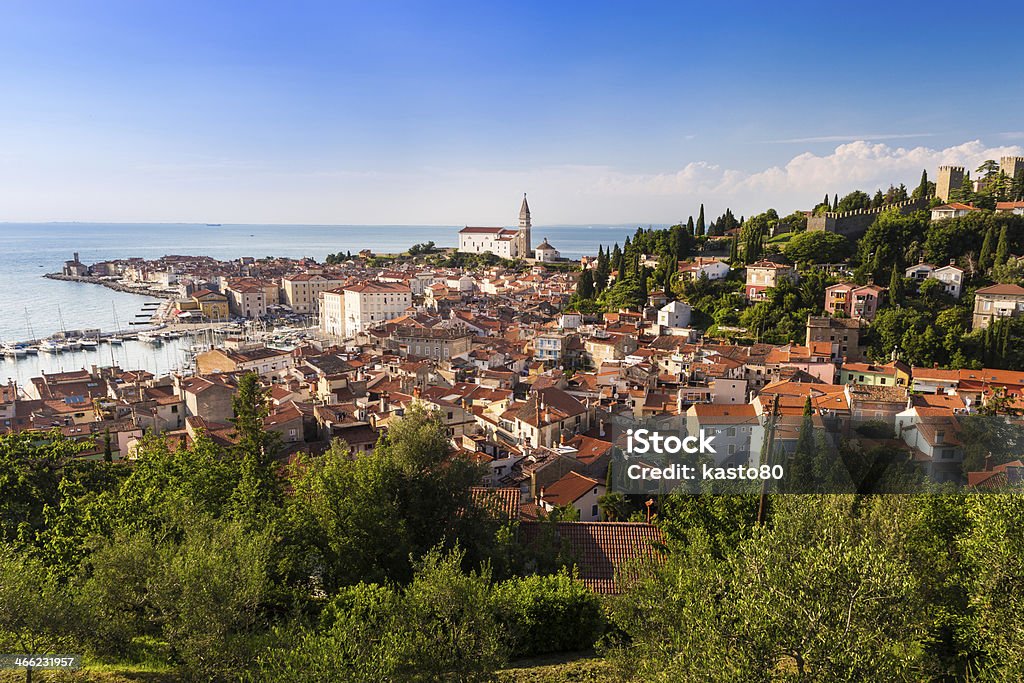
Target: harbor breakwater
point(116, 285)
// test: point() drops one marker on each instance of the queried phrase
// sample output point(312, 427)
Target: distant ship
point(213, 225)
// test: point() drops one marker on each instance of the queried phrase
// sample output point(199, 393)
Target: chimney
point(416, 392)
point(988, 462)
point(561, 438)
point(540, 496)
point(600, 431)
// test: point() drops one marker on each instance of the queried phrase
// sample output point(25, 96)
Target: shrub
point(546, 614)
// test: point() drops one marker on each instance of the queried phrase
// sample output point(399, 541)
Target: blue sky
point(431, 112)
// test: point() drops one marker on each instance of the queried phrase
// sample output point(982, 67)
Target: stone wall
point(854, 224)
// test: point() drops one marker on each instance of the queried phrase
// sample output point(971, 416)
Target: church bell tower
point(525, 241)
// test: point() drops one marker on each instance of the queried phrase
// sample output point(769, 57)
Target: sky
point(446, 112)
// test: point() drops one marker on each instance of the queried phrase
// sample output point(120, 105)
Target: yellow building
point(211, 304)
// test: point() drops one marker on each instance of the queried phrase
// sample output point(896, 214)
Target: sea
point(33, 307)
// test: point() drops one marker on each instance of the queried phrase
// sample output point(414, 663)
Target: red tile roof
point(601, 550)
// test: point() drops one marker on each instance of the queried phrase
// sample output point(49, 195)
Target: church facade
point(504, 242)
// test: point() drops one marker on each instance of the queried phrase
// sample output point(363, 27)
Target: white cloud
point(851, 138)
point(203, 190)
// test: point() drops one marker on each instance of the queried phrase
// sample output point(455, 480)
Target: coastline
point(141, 290)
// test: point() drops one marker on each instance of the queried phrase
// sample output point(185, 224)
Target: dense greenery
point(379, 568)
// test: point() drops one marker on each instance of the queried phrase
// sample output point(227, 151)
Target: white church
point(503, 242)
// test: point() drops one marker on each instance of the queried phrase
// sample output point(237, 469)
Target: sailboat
point(68, 343)
point(116, 337)
point(29, 349)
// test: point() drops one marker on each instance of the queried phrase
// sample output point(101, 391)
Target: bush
point(546, 614)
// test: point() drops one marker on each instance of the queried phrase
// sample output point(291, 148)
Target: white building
point(503, 242)
point(348, 310)
point(575, 490)
point(953, 210)
point(712, 268)
point(675, 314)
point(545, 252)
point(736, 429)
point(952, 279)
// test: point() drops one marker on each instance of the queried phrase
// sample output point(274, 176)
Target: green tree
point(895, 286)
point(699, 229)
point(211, 593)
point(259, 488)
point(37, 613)
point(986, 257)
point(1002, 248)
point(994, 553)
point(585, 285)
point(440, 627)
point(854, 201)
point(818, 247)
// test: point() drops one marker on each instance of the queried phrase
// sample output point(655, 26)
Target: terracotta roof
point(568, 489)
point(375, 287)
point(1012, 290)
point(479, 230)
point(601, 549)
point(956, 206)
point(500, 502)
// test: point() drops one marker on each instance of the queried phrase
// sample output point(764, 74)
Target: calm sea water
point(35, 307)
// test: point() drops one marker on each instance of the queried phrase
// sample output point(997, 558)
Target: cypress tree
point(895, 286)
point(585, 285)
point(1004, 352)
point(616, 262)
point(1002, 248)
point(985, 258)
point(108, 449)
point(700, 222)
point(828, 207)
point(689, 226)
point(835, 201)
point(922, 188)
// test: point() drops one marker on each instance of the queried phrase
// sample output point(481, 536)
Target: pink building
point(766, 274)
point(859, 303)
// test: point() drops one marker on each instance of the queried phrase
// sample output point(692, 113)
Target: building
point(213, 305)
point(842, 335)
point(888, 375)
point(436, 343)
point(346, 311)
point(997, 301)
point(954, 210)
point(675, 314)
point(951, 277)
point(545, 253)
point(547, 416)
point(264, 361)
point(1016, 208)
point(853, 301)
point(765, 275)
point(576, 490)
point(549, 348)
point(1011, 166)
point(246, 299)
point(737, 431)
point(503, 242)
point(950, 178)
point(712, 268)
point(301, 292)
point(75, 268)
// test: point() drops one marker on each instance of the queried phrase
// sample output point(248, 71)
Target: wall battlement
point(854, 224)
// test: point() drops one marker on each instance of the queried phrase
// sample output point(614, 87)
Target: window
point(593, 511)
